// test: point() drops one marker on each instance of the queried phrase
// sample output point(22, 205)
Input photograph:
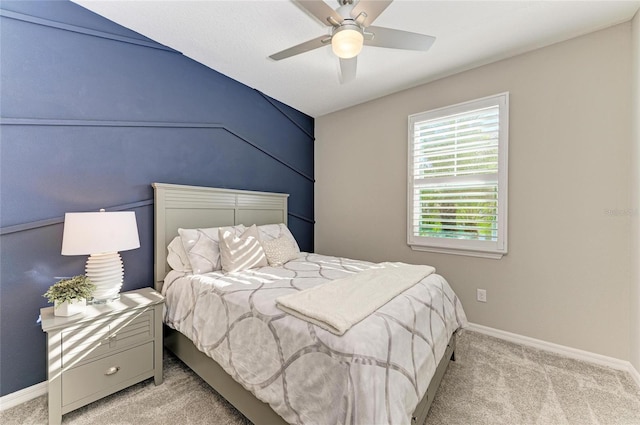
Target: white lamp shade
point(346, 42)
point(101, 235)
point(99, 232)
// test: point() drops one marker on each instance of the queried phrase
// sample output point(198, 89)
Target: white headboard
point(191, 207)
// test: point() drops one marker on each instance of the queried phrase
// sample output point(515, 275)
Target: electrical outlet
point(481, 295)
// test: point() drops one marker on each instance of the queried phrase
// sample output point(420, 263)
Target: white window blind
point(457, 178)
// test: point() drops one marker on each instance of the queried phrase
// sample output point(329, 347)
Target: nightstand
point(103, 350)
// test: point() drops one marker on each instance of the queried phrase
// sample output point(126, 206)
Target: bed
point(280, 361)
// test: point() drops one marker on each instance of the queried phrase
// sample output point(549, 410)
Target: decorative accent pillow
point(241, 253)
point(280, 250)
point(177, 257)
point(202, 247)
point(274, 231)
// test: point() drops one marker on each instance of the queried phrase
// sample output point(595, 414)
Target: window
point(457, 186)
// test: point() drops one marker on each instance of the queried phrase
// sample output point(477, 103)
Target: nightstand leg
point(157, 346)
point(157, 376)
point(55, 415)
point(54, 370)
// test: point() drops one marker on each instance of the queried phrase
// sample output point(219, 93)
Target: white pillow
point(241, 253)
point(177, 257)
point(269, 232)
point(280, 250)
point(201, 246)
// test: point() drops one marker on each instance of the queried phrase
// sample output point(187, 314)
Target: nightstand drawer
point(105, 374)
point(88, 342)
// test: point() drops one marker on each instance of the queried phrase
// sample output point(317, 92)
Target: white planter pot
point(69, 308)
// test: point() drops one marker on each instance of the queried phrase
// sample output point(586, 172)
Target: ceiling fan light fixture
point(347, 41)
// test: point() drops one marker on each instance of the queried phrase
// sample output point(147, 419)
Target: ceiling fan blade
point(320, 10)
point(348, 69)
point(321, 41)
point(372, 8)
point(396, 39)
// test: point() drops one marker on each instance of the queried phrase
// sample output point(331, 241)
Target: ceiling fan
point(351, 28)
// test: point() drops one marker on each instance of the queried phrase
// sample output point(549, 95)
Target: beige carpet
point(497, 382)
point(491, 382)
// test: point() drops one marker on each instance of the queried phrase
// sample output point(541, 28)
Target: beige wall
point(635, 251)
point(566, 277)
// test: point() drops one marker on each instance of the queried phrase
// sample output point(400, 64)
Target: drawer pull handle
point(112, 370)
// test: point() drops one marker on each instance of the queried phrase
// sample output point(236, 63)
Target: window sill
point(465, 252)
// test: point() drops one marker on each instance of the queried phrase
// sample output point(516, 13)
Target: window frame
point(476, 248)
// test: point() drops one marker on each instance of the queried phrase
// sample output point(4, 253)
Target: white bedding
point(375, 373)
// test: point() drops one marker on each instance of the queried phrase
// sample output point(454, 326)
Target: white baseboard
point(634, 374)
point(22, 396)
point(563, 350)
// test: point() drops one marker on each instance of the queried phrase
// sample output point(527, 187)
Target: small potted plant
point(70, 295)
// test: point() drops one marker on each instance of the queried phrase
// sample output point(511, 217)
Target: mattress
point(376, 372)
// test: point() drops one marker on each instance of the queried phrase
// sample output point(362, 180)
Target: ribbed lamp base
point(106, 272)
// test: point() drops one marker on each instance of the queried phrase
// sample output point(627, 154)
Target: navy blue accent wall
point(91, 115)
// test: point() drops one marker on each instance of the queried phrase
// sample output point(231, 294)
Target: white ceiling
point(236, 38)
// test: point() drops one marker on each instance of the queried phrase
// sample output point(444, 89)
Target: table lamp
point(101, 235)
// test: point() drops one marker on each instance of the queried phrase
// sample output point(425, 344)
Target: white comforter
point(375, 373)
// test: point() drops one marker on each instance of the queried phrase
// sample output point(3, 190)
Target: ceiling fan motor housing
point(347, 39)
